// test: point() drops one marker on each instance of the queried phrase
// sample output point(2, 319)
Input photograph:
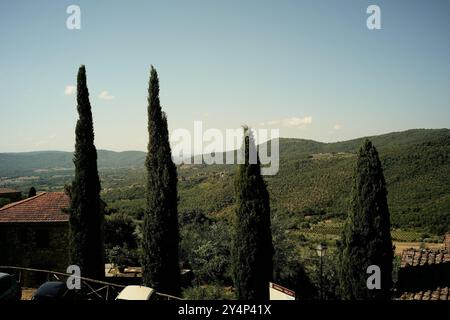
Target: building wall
point(25, 245)
point(13, 196)
point(422, 278)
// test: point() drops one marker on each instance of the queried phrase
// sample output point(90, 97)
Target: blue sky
point(311, 68)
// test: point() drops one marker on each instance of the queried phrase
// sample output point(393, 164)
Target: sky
point(310, 68)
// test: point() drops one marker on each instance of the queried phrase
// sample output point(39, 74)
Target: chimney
point(447, 242)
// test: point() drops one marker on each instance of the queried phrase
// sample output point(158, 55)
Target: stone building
point(34, 234)
point(9, 195)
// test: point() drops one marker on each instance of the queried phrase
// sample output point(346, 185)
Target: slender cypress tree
point(366, 237)
point(160, 241)
point(252, 247)
point(86, 214)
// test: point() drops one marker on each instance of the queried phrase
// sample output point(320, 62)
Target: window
point(42, 239)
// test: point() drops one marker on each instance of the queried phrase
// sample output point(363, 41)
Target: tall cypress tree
point(86, 214)
point(252, 247)
point(366, 237)
point(160, 260)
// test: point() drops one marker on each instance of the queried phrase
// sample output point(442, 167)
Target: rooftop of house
point(44, 207)
point(8, 190)
point(420, 257)
point(432, 284)
point(436, 294)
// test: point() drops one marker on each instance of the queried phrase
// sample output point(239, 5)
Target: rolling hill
point(314, 179)
point(27, 163)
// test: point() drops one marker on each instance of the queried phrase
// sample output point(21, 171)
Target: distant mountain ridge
point(314, 177)
point(25, 163)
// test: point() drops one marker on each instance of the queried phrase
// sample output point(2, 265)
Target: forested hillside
point(313, 180)
point(27, 163)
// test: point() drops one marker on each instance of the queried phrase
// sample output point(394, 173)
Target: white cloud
point(104, 95)
point(45, 141)
point(40, 143)
point(337, 126)
point(293, 122)
point(70, 90)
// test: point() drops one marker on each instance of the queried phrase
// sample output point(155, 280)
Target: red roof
point(44, 207)
point(436, 294)
point(420, 257)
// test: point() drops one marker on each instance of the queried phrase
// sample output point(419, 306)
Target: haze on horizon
point(310, 68)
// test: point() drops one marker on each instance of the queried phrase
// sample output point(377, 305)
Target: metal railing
point(94, 289)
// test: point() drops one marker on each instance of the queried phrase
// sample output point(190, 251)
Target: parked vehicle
point(136, 293)
point(54, 290)
point(9, 287)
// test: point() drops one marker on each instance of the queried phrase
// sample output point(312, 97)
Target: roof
point(8, 190)
point(420, 257)
point(44, 207)
point(436, 294)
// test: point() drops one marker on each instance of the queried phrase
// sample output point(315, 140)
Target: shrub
point(209, 292)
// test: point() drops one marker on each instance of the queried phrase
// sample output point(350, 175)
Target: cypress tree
point(86, 212)
point(366, 237)
point(252, 245)
point(32, 192)
point(160, 241)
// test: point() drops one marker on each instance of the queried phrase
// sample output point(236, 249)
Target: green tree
point(32, 192)
point(160, 241)
point(4, 202)
point(86, 214)
point(253, 248)
point(205, 247)
point(121, 246)
point(288, 269)
point(366, 237)
point(120, 231)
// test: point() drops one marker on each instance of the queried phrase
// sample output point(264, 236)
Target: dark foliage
point(32, 192)
point(160, 228)
point(86, 212)
point(366, 239)
point(205, 247)
point(252, 248)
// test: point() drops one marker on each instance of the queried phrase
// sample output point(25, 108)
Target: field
point(401, 246)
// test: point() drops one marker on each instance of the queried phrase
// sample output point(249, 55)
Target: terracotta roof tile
point(436, 294)
point(420, 257)
point(44, 207)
